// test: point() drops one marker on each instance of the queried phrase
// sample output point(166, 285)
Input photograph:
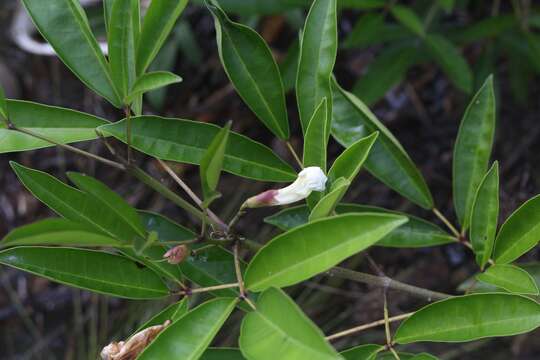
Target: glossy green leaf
point(414, 234)
point(111, 201)
point(188, 337)
point(328, 202)
point(313, 248)
point(186, 141)
point(368, 27)
point(167, 230)
point(250, 66)
point(520, 233)
point(96, 271)
point(510, 278)
point(56, 231)
point(58, 124)
point(172, 312)
point(64, 25)
point(451, 61)
point(315, 140)
point(158, 23)
point(386, 71)
point(484, 216)
point(222, 354)
point(122, 46)
point(408, 18)
point(472, 150)
point(280, 330)
point(289, 66)
point(350, 161)
point(212, 161)
point(152, 81)
point(471, 317)
point(387, 160)
point(362, 352)
point(318, 49)
point(3, 104)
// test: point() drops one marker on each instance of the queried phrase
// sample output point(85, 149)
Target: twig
point(127, 111)
point(383, 281)
point(243, 294)
point(294, 154)
point(447, 223)
point(206, 289)
point(368, 326)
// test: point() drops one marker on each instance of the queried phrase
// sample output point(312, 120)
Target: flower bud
point(309, 179)
point(177, 254)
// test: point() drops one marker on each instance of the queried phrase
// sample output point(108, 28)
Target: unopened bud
point(177, 254)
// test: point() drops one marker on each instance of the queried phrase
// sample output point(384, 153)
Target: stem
point(68, 147)
point(368, 326)
point(294, 154)
point(239, 277)
point(384, 281)
point(210, 288)
point(446, 222)
point(128, 133)
point(237, 217)
point(386, 322)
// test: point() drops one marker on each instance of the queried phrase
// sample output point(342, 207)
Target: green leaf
point(408, 18)
point(152, 81)
point(186, 141)
point(368, 27)
point(350, 161)
point(172, 312)
point(3, 105)
point(158, 23)
point(472, 150)
point(58, 124)
point(111, 201)
point(167, 230)
point(257, 82)
point(328, 203)
point(447, 5)
point(413, 234)
point(362, 352)
point(315, 140)
point(56, 231)
point(484, 216)
point(64, 25)
point(188, 337)
point(96, 271)
point(310, 249)
point(386, 71)
point(280, 330)
point(489, 27)
point(318, 49)
point(222, 354)
point(520, 233)
point(451, 61)
point(510, 278)
point(289, 66)
point(122, 46)
point(471, 317)
point(387, 160)
point(212, 162)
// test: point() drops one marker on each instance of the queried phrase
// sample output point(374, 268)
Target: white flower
point(310, 179)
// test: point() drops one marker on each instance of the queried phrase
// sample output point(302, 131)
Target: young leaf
point(328, 203)
point(415, 233)
point(510, 278)
point(471, 317)
point(172, 312)
point(56, 231)
point(362, 352)
point(387, 159)
point(58, 124)
point(188, 337)
point(212, 162)
point(122, 46)
point(186, 141)
point(318, 49)
point(408, 18)
point(315, 139)
point(280, 330)
point(222, 354)
point(64, 25)
point(484, 216)
point(451, 61)
point(472, 150)
point(110, 200)
point(520, 232)
point(310, 249)
point(152, 81)
point(96, 271)
point(350, 161)
point(158, 23)
point(257, 82)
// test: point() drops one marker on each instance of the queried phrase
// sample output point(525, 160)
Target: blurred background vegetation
point(415, 63)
